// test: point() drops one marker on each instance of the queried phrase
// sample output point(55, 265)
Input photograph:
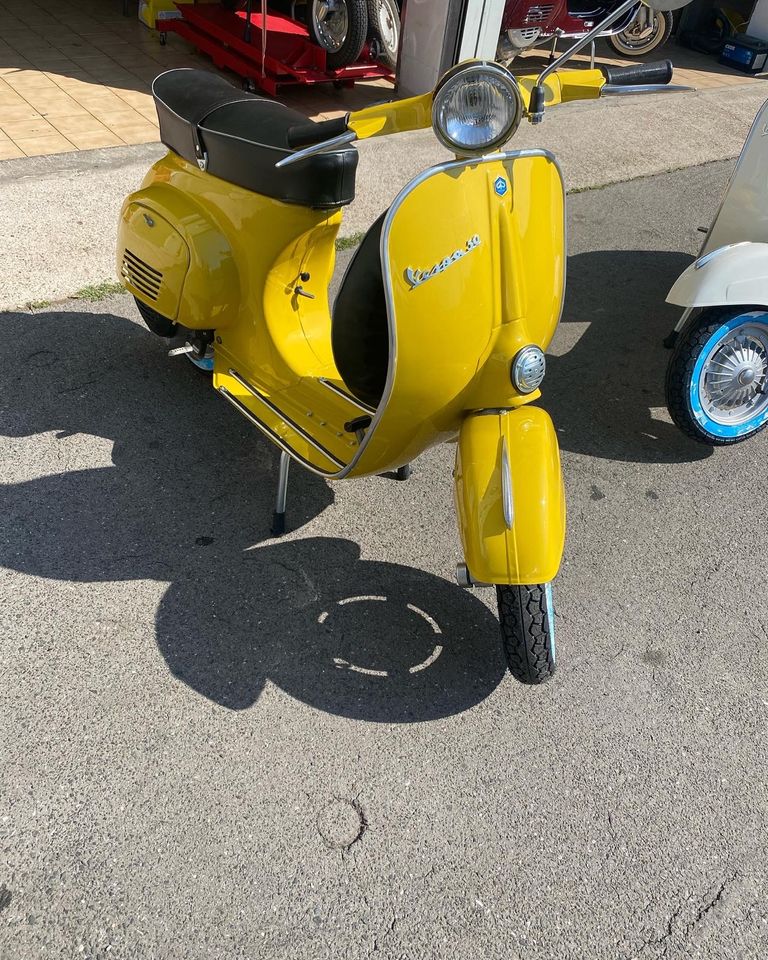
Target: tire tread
point(526, 632)
point(350, 50)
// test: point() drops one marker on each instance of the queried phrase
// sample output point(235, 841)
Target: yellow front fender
point(510, 499)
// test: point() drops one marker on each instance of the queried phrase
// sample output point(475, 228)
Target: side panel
point(743, 213)
point(735, 274)
point(510, 500)
point(165, 237)
point(152, 257)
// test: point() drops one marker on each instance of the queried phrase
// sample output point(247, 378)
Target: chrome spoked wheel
point(717, 381)
point(734, 376)
point(331, 23)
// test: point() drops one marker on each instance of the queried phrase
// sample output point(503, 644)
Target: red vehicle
point(527, 23)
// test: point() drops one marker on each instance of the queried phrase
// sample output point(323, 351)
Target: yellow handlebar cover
point(564, 86)
point(414, 113)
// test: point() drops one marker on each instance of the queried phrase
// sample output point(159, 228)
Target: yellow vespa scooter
point(439, 329)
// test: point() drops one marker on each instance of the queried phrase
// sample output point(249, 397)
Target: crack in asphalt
point(686, 932)
point(388, 932)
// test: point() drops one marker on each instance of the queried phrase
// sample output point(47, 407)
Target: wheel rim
point(733, 379)
point(639, 36)
point(332, 23)
point(205, 363)
point(388, 25)
point(550, 619)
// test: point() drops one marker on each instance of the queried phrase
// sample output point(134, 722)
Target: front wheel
point(717, 379)
point(340, 28)
point(650, 29)
point(527, 622)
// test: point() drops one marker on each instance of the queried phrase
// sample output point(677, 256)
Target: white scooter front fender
point(734, 274)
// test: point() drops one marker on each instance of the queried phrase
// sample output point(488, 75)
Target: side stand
point(553, 51)
point(278, 520)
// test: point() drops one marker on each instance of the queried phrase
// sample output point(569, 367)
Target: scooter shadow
point(363, 639)
point(188, 500)
point(605, 378)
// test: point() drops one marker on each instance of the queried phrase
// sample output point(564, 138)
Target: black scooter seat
point(239, 138)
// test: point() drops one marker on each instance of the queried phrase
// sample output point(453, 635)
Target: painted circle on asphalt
point(341, 664)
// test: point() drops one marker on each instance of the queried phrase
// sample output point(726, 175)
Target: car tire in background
point(384, 30)
point(340, 27)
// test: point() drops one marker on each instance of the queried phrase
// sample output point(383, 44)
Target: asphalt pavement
point(192, 767)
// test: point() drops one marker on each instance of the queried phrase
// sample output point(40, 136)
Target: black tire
point(527, 632)
point(681, 372)
point(157, 323)
point(622, 43)
point(354, 39)
point(404, 472)
point(386, 41)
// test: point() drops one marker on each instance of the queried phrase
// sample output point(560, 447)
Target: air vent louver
point(539, 14)
point(140, 275)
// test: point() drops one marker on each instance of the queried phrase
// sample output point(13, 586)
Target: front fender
point(734, 274)
point(510, 499)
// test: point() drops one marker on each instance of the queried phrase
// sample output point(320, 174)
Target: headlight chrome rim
point(465, 72)
point(528, 368)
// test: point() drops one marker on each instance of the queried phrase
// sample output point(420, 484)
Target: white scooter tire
point(717, 379)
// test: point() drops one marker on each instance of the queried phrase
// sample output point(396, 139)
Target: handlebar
point(304, 134)
point(638, 74)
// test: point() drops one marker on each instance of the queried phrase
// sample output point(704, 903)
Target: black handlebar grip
point(304, 134)
point(638, 73)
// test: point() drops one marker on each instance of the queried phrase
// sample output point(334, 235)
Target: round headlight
point(476, 108)
point(528, 369)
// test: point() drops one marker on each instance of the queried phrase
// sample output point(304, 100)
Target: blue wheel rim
point(206, 364)
point(696, 387)
point(550, 619)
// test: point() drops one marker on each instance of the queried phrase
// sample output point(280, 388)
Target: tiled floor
point(76, 74)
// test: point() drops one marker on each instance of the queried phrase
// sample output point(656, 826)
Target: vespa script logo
point(417, 277)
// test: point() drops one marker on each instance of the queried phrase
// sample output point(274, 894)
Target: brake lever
point(316, 148)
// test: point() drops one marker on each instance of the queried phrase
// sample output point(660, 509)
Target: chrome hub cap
point(734, 377)
point(388, 27)
point(639, 31)
point(332, 23)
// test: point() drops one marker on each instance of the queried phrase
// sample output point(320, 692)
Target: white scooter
point(717, 379)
